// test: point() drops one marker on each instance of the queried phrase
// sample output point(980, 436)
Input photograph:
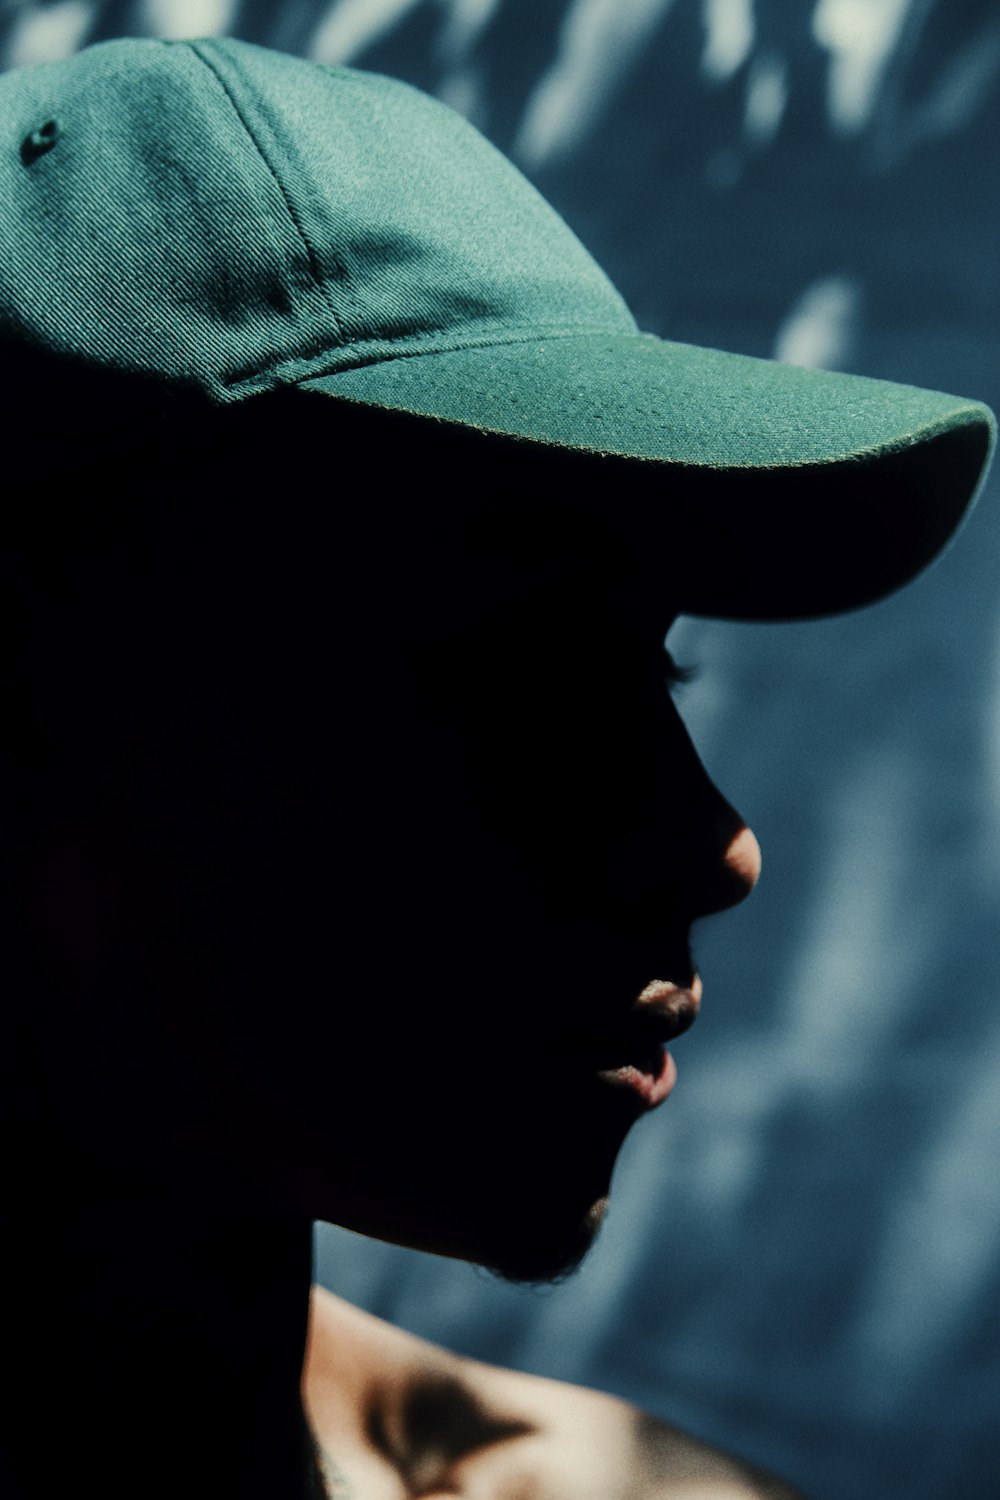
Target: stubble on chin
point(550, 1258)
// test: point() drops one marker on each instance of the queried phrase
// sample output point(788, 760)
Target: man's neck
point(158, 1345)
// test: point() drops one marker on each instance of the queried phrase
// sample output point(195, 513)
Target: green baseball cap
point(215, 217)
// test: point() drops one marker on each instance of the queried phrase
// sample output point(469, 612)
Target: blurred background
point(803, 1258)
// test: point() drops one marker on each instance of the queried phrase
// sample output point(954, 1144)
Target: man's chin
point(546, 1254)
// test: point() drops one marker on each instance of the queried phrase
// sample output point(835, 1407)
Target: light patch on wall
point(965, 85)
point(48, 35)
point(820, 330)
point(598, 42)
point(864, 946)
point(466, 22)
point(174, 19)
point(939, 1245)
point(461, 91)
point(461, 87)
point(729, 37)
point(861, 36)
point(767, 95)
point(962, 89)
point(351, 26)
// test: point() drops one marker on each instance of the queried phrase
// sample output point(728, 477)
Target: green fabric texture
point(661, 401)
point(226, 220)
point(229, 216)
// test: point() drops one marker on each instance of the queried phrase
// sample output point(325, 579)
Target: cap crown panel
point(238, 217)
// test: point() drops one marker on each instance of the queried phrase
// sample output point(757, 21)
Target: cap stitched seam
point(314, 266)
point(406, 346)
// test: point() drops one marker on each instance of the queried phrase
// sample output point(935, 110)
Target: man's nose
point(699, 859)
point(737, 869)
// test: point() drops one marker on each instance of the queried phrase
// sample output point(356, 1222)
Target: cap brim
point(778, 492)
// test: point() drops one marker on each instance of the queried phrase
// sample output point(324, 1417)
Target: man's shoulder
point(700, 1468)
point(392, 1406)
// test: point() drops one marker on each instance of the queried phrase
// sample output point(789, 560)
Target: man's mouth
point(633, 1056)
point(648, 1080)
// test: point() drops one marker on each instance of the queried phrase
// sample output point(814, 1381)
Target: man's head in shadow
point(364, 841)
point(361, 818)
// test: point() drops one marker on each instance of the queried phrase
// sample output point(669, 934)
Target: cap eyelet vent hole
point(39, 141)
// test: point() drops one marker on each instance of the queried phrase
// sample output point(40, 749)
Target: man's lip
point(632, 1055)
point(648, 1083)
point(669, 1009)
